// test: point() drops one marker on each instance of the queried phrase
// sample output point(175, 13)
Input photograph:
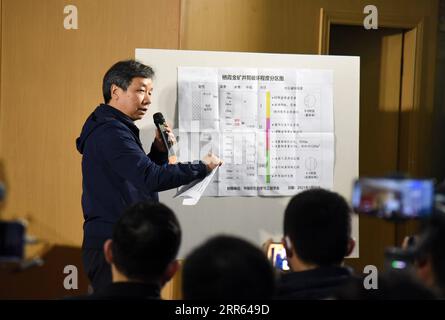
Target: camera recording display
point(393, 198)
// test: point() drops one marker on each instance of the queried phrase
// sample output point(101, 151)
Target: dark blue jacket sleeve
point(124, 156)
point(157, 156)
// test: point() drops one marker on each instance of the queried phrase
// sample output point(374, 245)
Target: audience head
point(317, 229)
point(226, 267)
point(430, 258)
point(145, 243)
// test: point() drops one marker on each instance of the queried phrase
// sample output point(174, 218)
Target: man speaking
point(116, 170)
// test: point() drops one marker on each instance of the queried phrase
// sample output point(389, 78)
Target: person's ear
point(350, 247)
point(172, 268)
point(115, 92)
point(287, 246)
point(108, 252)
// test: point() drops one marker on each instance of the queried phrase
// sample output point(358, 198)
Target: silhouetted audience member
point(317, 237)
point(430, 254)
point(142, 252)
point(225, 268)
point(393, 285)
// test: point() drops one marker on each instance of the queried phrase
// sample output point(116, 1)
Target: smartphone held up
point(276, 253)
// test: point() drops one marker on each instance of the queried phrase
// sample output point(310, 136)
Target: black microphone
point(160, 123)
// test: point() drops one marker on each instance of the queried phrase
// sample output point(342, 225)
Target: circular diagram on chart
point(310, 163)
point(309, 100)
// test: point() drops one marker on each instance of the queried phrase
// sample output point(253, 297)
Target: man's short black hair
point(145, 240)
point(318, 223)
point(122, 73)
point(227, 267)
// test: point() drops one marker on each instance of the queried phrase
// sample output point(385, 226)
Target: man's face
point(134, 102)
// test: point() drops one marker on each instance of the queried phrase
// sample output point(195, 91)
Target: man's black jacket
point(117, 173)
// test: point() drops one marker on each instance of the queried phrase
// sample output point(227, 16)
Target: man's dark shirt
point(124, 290)
point(315, 284)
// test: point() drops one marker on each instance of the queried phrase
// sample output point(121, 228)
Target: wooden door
point(381, 66)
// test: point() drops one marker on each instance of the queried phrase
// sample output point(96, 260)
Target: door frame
point(410, 87)
point(410, 90)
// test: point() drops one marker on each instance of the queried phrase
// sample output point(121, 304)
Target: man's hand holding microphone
point(165, 139)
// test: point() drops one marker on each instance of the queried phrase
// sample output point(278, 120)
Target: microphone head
point(158, 118)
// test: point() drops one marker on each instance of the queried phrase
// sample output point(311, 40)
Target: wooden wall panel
point(50, 82)
point(284, 26)
point(1, 19)
point(439, 113)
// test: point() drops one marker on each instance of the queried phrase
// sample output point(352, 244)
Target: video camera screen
point(393, 198)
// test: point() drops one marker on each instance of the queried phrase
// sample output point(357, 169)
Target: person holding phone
point(317, 237)
point(429, 258)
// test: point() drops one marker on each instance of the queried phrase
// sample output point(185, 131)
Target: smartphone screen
point(393, 198)
point(277, 254)
point(12, 241)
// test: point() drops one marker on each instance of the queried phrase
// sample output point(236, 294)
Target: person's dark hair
point(226, 267)
point(431, 245)
point(145, 240)
point(318, 223)
point(122, 73)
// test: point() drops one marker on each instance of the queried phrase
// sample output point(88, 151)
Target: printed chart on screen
point(272, 127)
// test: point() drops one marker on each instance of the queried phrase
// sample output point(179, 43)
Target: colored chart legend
point(267, 136)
